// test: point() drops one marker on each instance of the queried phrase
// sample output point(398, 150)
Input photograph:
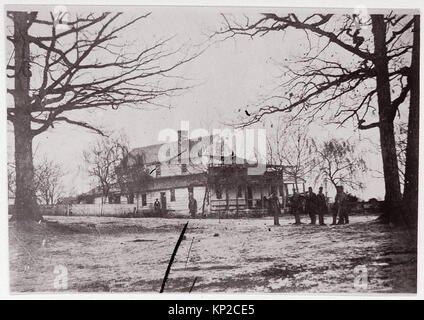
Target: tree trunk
point(26, 207)
point(295, 183)
point(410, 197)
point(333, 182)
point(276, 219)
point(386, 115)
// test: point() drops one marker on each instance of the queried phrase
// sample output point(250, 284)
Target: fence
point(237, 208)
point(109, 210)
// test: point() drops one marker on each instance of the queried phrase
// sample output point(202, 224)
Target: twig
point(171, 261)
point(192, 286)
point(188, 254)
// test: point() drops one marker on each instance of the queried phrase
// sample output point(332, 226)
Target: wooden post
point(237, 189)
point(261, 186)
point(237, 203)
point(281, 188)
point(245, 196)
point(226, 198)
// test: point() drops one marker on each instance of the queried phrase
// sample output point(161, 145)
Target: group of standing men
point(316, 204)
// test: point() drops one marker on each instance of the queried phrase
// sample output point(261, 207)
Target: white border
point(4, 257)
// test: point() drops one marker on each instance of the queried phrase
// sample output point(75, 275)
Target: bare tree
point(367, 88)
point(290, 145)
point(410, 195)
point(48, 182)
point(340, 163)
point(102, 159)
point(132, 174)
point(86, 64)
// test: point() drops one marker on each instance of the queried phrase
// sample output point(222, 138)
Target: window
point(200, 145)
point(131, 199)
point(239, 191)
point(184, 168)
point(163, 200)
point(144, 200)
point(218, 191)
point(158, 171)
point(172, 195)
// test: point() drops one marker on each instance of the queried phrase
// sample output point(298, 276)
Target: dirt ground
point(98, 254)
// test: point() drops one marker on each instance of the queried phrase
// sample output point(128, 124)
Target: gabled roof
point(150, 154)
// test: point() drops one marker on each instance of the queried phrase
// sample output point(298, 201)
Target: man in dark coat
point(274, 208)
point(321, 206)
point(311, 205)
point(295, 206)
point(341, 207)
point(156, 206)
point(192, 206)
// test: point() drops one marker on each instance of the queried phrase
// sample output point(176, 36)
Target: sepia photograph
point(230, 150)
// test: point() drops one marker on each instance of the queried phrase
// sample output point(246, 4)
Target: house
point(220, 183)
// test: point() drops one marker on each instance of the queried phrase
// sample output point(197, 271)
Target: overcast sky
point(229, 76)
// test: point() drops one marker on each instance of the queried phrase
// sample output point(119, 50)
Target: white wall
point(180, 205)
point(97, 200)
point(174, 169)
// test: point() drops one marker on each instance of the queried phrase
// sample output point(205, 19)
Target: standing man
point(340, 203)
point(321, 206)
point(265, 204)
point(156, 206)
point(310, 206)
point(274, 206)
point(294, 206)
point(192, 206)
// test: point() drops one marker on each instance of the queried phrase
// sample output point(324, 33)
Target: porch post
point(237, 203)
point(245, 196)
point(261, 185)
point(281, 188)
point(226, 197)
